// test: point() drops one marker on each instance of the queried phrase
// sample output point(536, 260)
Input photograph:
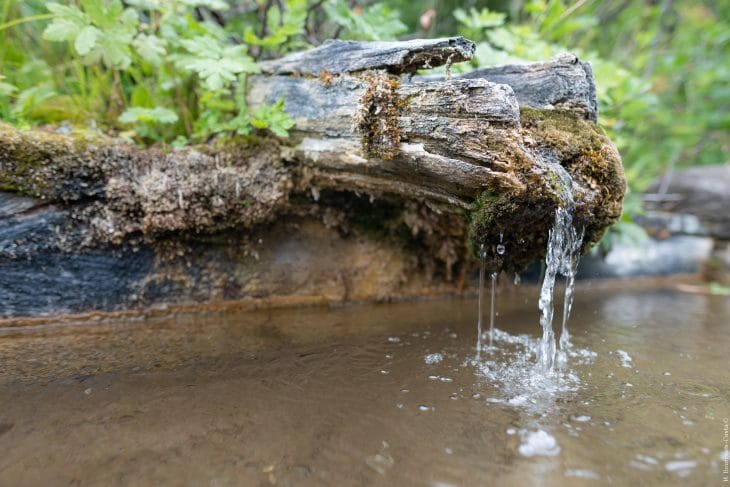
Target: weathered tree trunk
point(483, 154)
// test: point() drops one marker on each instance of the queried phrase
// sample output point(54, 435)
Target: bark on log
point(438, 151)
point(337, 57)
point(565, 82)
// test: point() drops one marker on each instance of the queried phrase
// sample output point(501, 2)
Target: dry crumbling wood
point(487, 148)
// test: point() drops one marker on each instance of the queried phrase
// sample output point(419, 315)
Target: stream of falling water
point(491, 310)
point(563, 256)
point(482, 257)
point(570, 271)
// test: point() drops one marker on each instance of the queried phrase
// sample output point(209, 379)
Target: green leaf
point(718, 289)
point(218, 5)
point(205, 47)
point(30, 98)
point(378, 22)
point(86, 40)
point(272, 117)
point(6, 89)
point(215, 63)
point(96, 11)
point(67, 23)
point(150, 48)
point(157, 115)
point(102, 32)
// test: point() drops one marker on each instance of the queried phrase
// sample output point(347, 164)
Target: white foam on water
point(538, 443)
point(681, 467)
point(646, 459)
point(582, 473)
point(433, 358)
point(523, 383)
point(626, 360)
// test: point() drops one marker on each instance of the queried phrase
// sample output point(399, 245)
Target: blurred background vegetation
point(174, 71)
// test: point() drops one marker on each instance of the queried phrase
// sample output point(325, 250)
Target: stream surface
point(373, 395)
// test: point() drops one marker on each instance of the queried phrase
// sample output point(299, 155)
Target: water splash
point(511, 368)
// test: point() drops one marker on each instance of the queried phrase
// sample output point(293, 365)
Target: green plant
point(161, 71)
point(378, 22)
point(662, 67)
point(142, 70)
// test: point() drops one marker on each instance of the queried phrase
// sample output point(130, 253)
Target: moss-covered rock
point(521, 220)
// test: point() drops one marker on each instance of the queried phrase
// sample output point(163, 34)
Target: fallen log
point(456, 163)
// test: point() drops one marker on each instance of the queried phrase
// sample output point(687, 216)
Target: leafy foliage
point(215, 63)
point(378, 22)
point(281, 27)
point(100, 33)
point(175, 71)
point(157, 70)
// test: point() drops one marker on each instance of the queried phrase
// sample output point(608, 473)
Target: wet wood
point(82, 204)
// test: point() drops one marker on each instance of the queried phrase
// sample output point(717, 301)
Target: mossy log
point(443, 165)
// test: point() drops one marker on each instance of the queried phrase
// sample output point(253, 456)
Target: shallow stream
point(373, 395)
